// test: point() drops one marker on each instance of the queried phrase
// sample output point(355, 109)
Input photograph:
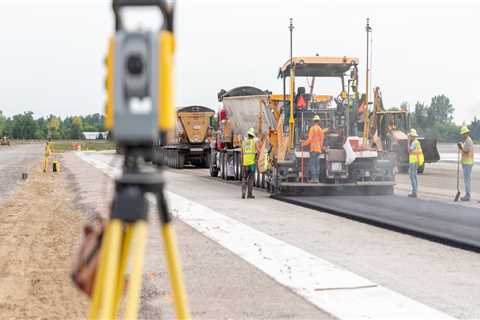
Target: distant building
point(95, 135)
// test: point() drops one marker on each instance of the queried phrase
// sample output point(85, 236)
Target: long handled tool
point(457, 196)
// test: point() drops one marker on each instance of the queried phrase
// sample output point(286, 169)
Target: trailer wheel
point(235, 166)
point(180, 160)
point(207, 159)
point(222, 166)
point(239, 166)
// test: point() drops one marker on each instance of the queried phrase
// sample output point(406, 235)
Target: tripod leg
point(173, 261)
point(126, 243)
point(97, 287)
point(112, 256)
point(135, 279)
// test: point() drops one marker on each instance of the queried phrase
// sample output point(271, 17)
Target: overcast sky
point(51, 56)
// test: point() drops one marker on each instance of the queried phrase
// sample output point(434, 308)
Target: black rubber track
point(447, 223)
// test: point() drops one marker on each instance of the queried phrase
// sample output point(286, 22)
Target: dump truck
point(391, 127)
point(242, 108)
point(191, 144)
point(347, 165)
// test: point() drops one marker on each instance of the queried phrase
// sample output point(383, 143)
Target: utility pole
point(292, 84)
point(365, 111)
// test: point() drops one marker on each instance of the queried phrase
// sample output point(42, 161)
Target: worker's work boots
point(413, 195)
point(466, 198)
point(250, 196)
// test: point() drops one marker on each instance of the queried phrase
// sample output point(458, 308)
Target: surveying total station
point(139, 71)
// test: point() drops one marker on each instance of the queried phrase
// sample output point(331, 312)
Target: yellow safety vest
point(416, 156)
point(249, 150)
point(467, 157)
point(48, 150)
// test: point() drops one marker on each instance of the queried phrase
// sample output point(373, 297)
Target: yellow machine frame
point(289, 68)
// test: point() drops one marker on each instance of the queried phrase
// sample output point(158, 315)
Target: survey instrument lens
point(135, 64)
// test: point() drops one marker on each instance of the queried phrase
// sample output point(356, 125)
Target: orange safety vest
point(315, 138)
point(301, 102)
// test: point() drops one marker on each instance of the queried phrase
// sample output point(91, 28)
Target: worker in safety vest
point(415, 160)
point(47, 153)
point(467, 150)
point(315, 141)
point(249, 157)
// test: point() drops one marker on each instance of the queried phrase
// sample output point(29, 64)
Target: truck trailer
point(242, 108)
point(191, 144)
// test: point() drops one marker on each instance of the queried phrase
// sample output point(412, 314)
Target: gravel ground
point(39, 233)
point(14, 160)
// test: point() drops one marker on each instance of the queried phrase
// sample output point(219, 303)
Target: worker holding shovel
point(466, 149)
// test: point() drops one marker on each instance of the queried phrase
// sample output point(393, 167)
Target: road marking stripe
point(335, 290)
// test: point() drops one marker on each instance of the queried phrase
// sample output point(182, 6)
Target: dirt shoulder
point(39, 234)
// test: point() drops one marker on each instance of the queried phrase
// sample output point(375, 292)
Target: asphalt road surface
point(263, 258)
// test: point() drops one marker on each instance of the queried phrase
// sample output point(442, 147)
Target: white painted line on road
point(333, 289)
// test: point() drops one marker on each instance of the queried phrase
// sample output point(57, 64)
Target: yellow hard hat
point(464, 130)
point(316, 118)
point(251, 132)
point(413, 133)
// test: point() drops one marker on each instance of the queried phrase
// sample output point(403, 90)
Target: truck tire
point(236, 165)
point(168, 158)
point(213, 171)
point(213, 165)
point(181, 160)
point(222, 166)
point(174, 157)
point(207, 159)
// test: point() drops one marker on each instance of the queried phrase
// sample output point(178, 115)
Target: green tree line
point(26, 126)
point(435, 120)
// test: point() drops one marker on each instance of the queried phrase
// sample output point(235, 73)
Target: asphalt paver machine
point(347, 164)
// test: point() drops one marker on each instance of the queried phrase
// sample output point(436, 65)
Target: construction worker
point(415, 160)
point(466, 148)
point(315, 141)
point(249, 157)
point(47, 153)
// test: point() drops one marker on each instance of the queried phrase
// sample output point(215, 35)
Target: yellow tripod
point(124, 237)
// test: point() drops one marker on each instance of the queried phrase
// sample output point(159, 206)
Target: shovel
point(457, 196)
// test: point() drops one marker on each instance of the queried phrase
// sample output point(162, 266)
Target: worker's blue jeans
point(412, 170)
point(314, 166)
point(467, 177)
